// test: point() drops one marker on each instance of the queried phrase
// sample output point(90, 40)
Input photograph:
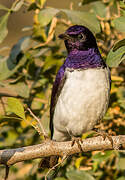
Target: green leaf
point(83, 18)
point(11, 138)
point(121, 163)
point(114, 58)
point(21, 46)
point(122, 12)
point(100, 9)
point(40, 52)
point(79, 175)
point(20, 88)
point(17, 5)
point(50, 62)
point(122, 4)
point(114, 8)
point(121, 178)
point(32, 6)
point(46, 15)
point(88, 1)
point(3, 26)
point(42, 2)
point(2, 7)
point(16, 107)
point(119, 23)
point(60, 178)
point(99, 157)
point(121, 96)
point(8, 67)
point(119, 44)
point(95, 165)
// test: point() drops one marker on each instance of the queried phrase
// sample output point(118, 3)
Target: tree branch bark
point(48, 148)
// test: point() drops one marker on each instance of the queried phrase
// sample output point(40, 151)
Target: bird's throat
point(90, 58)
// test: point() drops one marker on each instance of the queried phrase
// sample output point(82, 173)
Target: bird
point(81, 91)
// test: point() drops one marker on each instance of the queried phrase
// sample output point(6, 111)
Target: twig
point(6, 172)
point(58, 164)
point(39, 122)
point(50, 34)
point(3, 105)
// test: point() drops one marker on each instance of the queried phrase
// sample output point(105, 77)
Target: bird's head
point(78, 37)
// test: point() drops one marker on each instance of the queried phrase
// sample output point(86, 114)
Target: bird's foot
point(78, 141)
point(104, 136)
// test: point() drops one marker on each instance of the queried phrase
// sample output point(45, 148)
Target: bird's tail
point(48, 162)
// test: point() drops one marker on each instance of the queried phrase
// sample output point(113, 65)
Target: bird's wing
point(57, 87)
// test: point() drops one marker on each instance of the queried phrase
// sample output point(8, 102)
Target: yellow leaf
point(117, 78)
point(78, 161)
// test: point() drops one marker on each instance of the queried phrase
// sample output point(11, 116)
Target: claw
point(104, 135)
point(78, 141)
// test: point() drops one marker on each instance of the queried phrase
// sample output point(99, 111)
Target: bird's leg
point(78, 140)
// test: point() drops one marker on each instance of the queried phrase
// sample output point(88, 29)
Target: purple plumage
point(57, 86)
point(84, 59)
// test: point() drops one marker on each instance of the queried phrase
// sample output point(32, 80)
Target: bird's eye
point(81, 37)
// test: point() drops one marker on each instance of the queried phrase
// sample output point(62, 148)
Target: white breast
point(82, 103)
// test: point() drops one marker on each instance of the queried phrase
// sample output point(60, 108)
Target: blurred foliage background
point(27, 72)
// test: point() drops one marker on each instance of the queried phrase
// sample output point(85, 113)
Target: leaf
point(60, 178)
point(100, 9)
point(46, 15)
point(17, 5)
point(42, 2)
point(8, 68)
point(3, 26)
point(2, 7)
point(11, 138)
point(122, 12)
point(9, 65)
point(119, 23)
point(50, 62)
point(121, 178)
point(119, 44)
point(88, 1)
point(99, 157)
point(114, 9)
point(121, 96)
point(20, 88)
point(40, 52)
point(83, 18)
point(95, 165)
point(21, 46)
point(78, 161)
point(16, 107)
point(121, 163)
point(32, 6)
point(79, 175)
point(36, 104)
point(116, 57)
point(122, 4)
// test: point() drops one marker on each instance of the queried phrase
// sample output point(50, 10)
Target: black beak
point(64, 36)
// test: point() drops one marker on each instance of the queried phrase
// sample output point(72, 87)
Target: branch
point(48, 148)
point(41, 130)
